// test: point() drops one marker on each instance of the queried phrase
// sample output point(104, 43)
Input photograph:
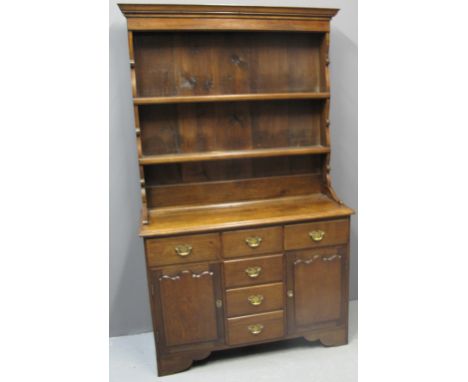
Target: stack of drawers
point(254, 285)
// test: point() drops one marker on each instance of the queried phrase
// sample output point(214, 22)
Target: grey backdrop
point(129, 307)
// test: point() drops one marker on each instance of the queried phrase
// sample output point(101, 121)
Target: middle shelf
point(230, 97)
point(236, 154)
point(196, 132)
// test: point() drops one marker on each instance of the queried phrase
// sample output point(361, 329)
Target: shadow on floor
point(258, 349)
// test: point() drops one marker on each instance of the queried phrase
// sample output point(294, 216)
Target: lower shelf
point(170, 221)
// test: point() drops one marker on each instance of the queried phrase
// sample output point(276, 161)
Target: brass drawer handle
point(183, 250)
point(255, 299)
point(317, 235)
point(255, 329)
point(253, 272)
point(254, 241)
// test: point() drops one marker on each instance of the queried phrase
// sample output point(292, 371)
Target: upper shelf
point(236, 154)
point(231, 97)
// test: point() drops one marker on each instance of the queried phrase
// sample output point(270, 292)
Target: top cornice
point(177, 10)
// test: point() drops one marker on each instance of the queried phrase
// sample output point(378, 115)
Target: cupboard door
point(188, 304)
point(317, 288)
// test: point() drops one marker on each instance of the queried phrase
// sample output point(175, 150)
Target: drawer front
point(258, 270)
point(251, 242)
point(255, 328)
point(182, 249)
point(256, 299)
point(318, 234)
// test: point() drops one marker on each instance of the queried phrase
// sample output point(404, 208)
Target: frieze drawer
point(252, 242)
point(316, 234)
point(182, 249)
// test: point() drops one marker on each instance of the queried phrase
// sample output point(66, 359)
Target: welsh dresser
point(246, 242)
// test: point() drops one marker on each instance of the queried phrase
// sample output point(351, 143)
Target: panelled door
point(189, 304)
point(317, 288)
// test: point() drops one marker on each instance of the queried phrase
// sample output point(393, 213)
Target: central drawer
point(254, 299)
point(255, 328)
point(251, 242)
point(257, 270)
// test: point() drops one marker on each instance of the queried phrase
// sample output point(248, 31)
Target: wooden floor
point(272, 211)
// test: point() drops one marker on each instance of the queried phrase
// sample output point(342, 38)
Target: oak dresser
point(246, 242)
